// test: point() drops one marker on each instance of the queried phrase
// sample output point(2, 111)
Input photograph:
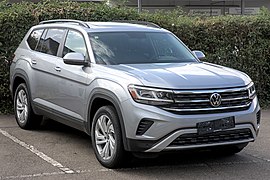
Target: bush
point(240, 42)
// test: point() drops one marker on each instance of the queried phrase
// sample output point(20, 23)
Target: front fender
point(115, 94)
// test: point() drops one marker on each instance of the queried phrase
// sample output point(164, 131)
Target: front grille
point(198, 102)
point(211, 138)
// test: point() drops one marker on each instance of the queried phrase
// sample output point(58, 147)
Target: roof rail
point(81, 23)
point(145, 23)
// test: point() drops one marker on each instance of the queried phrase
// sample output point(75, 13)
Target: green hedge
point(240, 42)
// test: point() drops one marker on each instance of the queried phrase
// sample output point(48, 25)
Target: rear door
point(44, 65)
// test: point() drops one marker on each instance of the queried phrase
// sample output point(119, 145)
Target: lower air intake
point(211, 138)
point(258, 116)
point(143, 126)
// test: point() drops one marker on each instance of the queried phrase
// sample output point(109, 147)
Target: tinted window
point(138, 47)
point(51, 42)
point(74, 43)
point(34, 38)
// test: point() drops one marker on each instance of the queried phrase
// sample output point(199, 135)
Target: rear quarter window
point(34, 38)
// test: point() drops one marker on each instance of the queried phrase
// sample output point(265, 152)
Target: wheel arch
point(19, 78)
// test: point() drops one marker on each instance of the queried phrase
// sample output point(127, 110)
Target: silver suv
point(133, 87)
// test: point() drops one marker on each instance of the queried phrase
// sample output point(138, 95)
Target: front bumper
point(167, 127)
point(165, 143)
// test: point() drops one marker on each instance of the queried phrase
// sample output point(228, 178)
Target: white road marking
point(32, 175)
point(38, 153)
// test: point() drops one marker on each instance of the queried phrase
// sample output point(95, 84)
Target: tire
point(108, 146)
point(229, 150)
point(24, 114)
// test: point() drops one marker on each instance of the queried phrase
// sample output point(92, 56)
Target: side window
point(34, 38)
point(51, 42)
point(74, 43)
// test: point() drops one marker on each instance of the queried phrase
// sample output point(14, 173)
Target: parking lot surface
point(56, 151)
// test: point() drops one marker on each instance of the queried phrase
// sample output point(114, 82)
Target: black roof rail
point(81, 23)
point(149, 24)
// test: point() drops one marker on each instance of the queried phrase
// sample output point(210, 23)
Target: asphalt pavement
point(56, 151)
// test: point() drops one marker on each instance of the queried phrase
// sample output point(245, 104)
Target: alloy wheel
point(105, 137)
point(22, 106)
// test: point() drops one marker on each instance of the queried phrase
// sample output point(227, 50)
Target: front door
point(72, 79)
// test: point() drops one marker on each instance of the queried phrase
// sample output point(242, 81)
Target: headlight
point(251, 90)
point(151, 96)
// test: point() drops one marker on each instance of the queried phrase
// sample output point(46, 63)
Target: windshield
point(138, 47)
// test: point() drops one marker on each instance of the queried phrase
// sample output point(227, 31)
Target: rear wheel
point(24, 114)
point(106, 137)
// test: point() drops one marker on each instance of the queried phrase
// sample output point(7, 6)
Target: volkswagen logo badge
point(215, 100)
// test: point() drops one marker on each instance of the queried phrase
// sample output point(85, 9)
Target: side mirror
point(199, 54)
point(75, 59)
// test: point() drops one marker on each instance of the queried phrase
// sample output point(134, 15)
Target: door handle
point(58, 69)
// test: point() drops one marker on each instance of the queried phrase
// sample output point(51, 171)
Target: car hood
point(185, 75)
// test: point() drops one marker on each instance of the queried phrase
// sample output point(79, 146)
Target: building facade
point(205, 7)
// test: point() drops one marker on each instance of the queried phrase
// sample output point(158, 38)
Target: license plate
point(215, 125)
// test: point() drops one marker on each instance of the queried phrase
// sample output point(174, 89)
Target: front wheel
point(106, 137)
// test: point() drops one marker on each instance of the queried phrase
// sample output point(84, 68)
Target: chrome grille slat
point(207, 109)
point(192, 101)
point(232, 99)
point(210, 91)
